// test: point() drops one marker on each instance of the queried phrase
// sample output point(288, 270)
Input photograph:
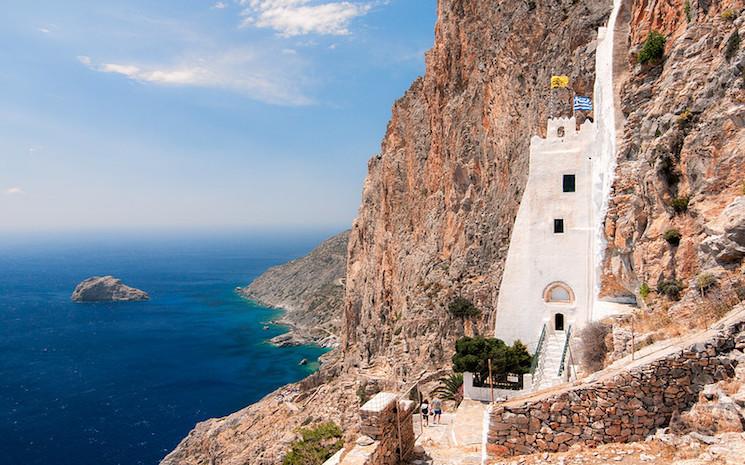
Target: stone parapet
point(617, 407)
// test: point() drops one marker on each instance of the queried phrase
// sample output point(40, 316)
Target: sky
point(191, 114)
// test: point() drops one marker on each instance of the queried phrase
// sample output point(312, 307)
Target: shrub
point(472, 355)
point(594, 349)
point(667, 169)
point(463, 308)
point(653, 48)
point(733, 45)
point(729, 15)
point(672, 236)
point(687, 10)
point(316, 445)
point(450, 388)
point(680, 204)
point(684, 118)
point(644, 290)
point(670, 288)
point(362, 394)
point(705, 281)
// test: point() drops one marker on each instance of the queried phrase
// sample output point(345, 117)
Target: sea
point(123, 383)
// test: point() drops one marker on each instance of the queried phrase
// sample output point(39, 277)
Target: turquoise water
point(123, 383)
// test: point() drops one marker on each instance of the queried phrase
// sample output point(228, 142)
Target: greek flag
point(582, 103)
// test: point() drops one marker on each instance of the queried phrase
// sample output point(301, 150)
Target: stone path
point(457, 441)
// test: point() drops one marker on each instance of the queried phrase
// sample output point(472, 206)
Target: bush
point(670, 288)
point(594, 349)
point(472, 355)
point(653, 48)
point(463, 308)
point(672, 236)
point(733, 45)
point(684, 118)
point(680, 204)
point(644, 290)
point(687, 10)
point(705, 281)
point(729, 15)
point(317, 445)
point(667, 169)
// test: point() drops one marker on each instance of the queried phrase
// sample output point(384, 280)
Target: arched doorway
point(559, 322)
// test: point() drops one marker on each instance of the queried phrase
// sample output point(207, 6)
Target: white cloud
point(259, 77)
point(14, 191)
point(220, 5)
point(299, 17)
point(44, 30)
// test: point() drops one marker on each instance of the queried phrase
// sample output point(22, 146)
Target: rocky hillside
point(680, 164)
point(310, 290)
point(441, 197)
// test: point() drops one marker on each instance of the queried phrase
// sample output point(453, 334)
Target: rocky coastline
point(309, 291)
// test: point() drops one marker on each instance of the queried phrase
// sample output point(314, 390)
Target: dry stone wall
point(623, 407)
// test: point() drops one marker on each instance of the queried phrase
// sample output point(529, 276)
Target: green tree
point(472, 355)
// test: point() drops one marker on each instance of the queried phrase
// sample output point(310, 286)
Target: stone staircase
point(550, 361)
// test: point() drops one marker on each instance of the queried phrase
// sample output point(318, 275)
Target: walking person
point(425, 412)
point(436, 410)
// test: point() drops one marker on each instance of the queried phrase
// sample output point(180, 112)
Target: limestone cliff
point(681, 160)
point(311, 291)
point(440, 199)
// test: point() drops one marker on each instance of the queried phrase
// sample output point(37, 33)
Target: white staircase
point(549, 361)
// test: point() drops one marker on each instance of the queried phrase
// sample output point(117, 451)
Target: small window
point(558, 226)
point(568, 183)
point(560, 132)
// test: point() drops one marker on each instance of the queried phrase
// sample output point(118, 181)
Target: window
point(560, 132)
point(569, 183)
point(558, 292)
point(558, 226)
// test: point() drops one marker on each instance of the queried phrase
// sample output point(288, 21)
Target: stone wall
point(618, 406)
point(387, 428)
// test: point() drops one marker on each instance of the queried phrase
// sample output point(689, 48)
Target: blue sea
point(123, 383)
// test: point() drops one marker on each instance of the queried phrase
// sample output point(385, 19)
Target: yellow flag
point(559, 81)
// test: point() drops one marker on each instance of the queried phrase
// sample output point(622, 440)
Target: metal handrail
point(538, 348)
point(564, 351)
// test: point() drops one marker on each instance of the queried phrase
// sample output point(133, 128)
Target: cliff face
point(440, 199)
point(310, 290)
point(683, 143)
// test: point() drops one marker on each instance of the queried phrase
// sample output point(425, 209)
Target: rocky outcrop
point(726, 242)
point(440, 200)
point(681, 151)
point(310, 290)
point(106, 289)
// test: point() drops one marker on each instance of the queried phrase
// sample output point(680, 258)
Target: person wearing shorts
point(437, 411)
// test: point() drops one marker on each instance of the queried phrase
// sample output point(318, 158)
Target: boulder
point(106, 289)
point(726, 245)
